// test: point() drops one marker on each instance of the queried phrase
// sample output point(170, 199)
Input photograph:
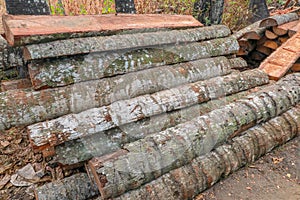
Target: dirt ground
point(276, 176)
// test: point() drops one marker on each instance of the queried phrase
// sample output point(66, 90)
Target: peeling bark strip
point(277, 20)
point(105, 142)
point(65, 71)
point(77, 187)
point(118, 42)
point(157, 154)
point(204, 171)
point(95, 120)
point(282, 59)
point(20, 30)
point(28, 107)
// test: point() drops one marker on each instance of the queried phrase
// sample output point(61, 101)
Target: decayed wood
point(279, 31)
point(61, 72)
point(204, 171)
point(20, 30)
point(15, 84)
point(157, 154)
point(277, 20)
point(265, 50)
point(271, 44)
point(102, 143)
point(51, 103)
point(270, 35)
point(77, 186)
point(118, 42)
point(95, 120)
point(281, 60)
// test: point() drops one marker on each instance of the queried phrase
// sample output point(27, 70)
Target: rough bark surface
point(253, 27)
point(204, 171)
point(25, 7)
point(157, 154)
point(118, 42)
point(282, 59)
point(95, 120)
point(258, 9)
point(105, 142)
point(78, 186)
point(25, 107)
point(209, 12)
point(277, 20)
point(61, 72)
point(20, 30)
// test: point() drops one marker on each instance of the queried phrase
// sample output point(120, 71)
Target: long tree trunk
point(157, 154)
point(95, 120)
point(258, 9)
point(204, 171)
point(209, 12)
point(61, 72)
point(52, 103)
point(106, 142)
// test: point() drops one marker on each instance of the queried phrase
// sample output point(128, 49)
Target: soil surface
point(276, 176)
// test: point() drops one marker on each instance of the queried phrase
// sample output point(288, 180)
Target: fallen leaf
point(4, 181)
point(4, 143)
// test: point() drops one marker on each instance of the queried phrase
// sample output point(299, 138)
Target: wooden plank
point(95, 120)
point(77, 186)
point(294, 30)
point(281, 60)
point(55, 102)
point(277, 20)
point(120, 42)
point(288, 26)
point(204, 171)
point(60, 72)
point(20, 30)
point(151, 157)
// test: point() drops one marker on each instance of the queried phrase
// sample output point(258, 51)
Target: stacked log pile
point(155, 112)
point(260, 39)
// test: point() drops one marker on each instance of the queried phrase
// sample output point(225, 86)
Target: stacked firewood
point(260, 39)
point(155, 110)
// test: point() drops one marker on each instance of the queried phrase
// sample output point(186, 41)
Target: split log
point(61, 72)
point(265, 50)
point(78, 186)
point(119, 42)
point(15, 84)
point(281, 60)
point(279, 31)
point(51, 103)
point(270, 35)
point(241, 33)
point(21, 30)
point(106, 142)
point(95, 120)
point(151, 157)
point(255, 34)
point(277, 20)
point(271, 44)
point(204, 171)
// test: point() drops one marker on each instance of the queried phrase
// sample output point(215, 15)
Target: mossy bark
point(95, 120)
point(204, 171)
point(157, 154)
point(118, 42)
point(64, 71)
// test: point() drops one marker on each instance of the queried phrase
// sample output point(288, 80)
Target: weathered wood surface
point(204, 171)
point(281, 60)
point(105, 142)
point(157, 154)
point(51, 103)
point(15, 84)
point(118, 42)
point(78, 186)
point(61, 72)
point(255, 34)
point(95, 120)
point(277, 20)
point(20, 30)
